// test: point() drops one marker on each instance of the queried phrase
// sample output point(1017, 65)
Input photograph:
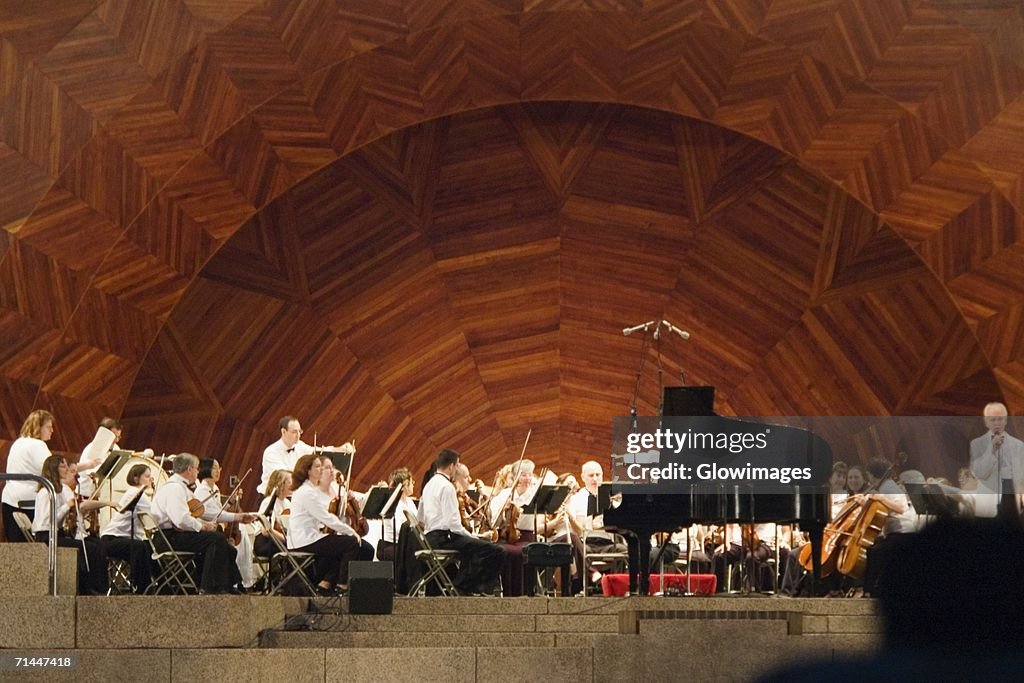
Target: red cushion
point(617, 584)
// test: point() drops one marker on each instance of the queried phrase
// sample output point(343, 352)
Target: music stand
point(930, 500)
point(129, 507)
point(111, 466)
point(381, 503)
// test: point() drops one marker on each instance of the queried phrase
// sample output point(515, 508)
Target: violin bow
point(230, 495)
point(515, 479)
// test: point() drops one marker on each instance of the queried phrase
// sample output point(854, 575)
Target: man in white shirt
point(170, 509)
point(583, 507)
point(480, 562)
point(285, 452)
point(997, 460)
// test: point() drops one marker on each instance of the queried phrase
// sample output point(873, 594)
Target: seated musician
point(332, 483)
point(92, 559)
point(215, 510)
point(972, 501)
point(563, 527)
point(313, 529)
point(583, 506)
point(754, 551)
point(117, 535)
point(274, 506)
point(479, 561)
point(901, 521)
point(218, 571)
point(391, 527)
point(521, 492)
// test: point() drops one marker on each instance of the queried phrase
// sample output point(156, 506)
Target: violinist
point(92, 560)
point(479, 561)
point(500, 506)
point(306, 529)
point(274, 507)
point(170, 509)
point(214, 510)
point(26, 456)
point(345, 504)
point(117, 534)
point(400, 477)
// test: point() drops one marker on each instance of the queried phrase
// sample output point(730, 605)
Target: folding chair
point(602, 559)
point(437, 561)
point(177, 568)
point(290, 561)
point(119, 576)
point(25, 525)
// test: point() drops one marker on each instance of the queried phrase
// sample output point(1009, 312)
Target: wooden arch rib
point(927, 152)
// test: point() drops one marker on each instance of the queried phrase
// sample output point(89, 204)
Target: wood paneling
point(425, 223)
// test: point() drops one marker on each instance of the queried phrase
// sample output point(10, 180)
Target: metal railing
point(52, 543)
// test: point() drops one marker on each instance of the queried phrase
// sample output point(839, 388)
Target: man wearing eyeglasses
point(283, 453)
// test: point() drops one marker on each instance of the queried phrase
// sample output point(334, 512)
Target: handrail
point(52, 544)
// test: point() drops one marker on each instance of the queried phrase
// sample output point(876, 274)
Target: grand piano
point(640, 515)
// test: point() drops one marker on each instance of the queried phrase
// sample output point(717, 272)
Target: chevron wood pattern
point(424, 222)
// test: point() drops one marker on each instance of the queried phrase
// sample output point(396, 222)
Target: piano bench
point(703, 584)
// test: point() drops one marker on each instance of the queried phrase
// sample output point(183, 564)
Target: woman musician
point(92, 559)
point(309, 518)
point(275, 507)
point(345, 504)
point(214, 511)
point(400, 477)
point(117, 536)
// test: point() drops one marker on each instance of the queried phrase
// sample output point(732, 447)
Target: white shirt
point(388, 526)
point(41, 521)
point(210, 496)
point(276, 456)
point(898, 522)
point(120, 523)
point(578, 505)
point(439, 507)
point(25, 457)
point(170, 506)
point(309, 514)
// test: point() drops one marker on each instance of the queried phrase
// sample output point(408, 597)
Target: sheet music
point(100, 445)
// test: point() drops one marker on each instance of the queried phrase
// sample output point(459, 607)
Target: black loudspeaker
point(371, 587)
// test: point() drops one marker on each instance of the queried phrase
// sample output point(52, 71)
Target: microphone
point(672, 328)
point(642, 326)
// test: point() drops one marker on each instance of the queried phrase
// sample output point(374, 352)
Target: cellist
point(900, 521)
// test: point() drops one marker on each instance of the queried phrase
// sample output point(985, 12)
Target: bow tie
point(290, 450)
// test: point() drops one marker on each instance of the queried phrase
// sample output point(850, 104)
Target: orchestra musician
point(521, 493)
point(92, 559)
point(274, 507)
point(344, 503)
point(307, 528)
point(170, 509)
point(583, 507)
point(479, 561)
point(214, 510)
point(87, 467)
point(399, 477)
point(285, 452)
point(26, 456)
point(117, 534)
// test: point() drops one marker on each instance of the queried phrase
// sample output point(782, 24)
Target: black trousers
point(218, 572)
point(92, 575)
point(480, 562)
point(12, 532)
point(137, 554)
point(333, 553)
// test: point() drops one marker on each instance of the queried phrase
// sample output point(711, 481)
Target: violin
point(70, 524)
point(231, 529)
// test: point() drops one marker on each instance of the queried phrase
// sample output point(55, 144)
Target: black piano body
point(640, 515)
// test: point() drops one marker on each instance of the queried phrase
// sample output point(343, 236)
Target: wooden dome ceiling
point(425, 223)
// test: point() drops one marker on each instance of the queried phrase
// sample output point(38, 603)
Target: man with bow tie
point(283, 453)
point(997, 460)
